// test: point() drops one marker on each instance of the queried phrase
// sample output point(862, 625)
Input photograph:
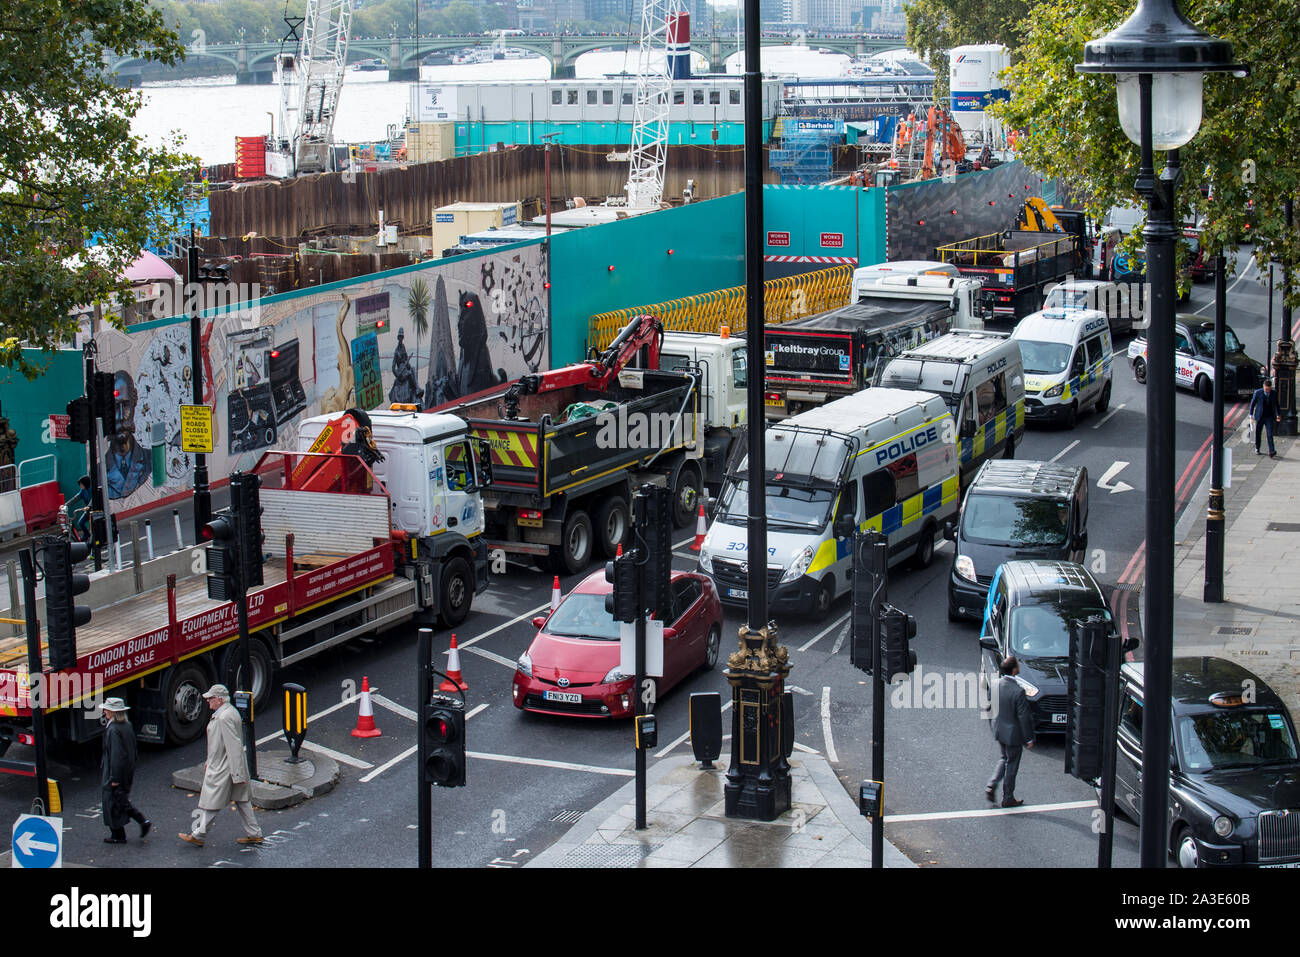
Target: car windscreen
point(1044, 358)
point(583, 616)
point(991, 519)
point(1234, 739)
point(788, 506)
point(1068, 299)
point(1043, 630)
point(1205, 342)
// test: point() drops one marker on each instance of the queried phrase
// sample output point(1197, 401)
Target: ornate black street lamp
point(1159, 61)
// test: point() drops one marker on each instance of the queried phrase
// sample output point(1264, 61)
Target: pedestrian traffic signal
point(622, 573)
point(62, 585)
point(246, 504)
point(104, 396)
point(1085, 716)
point(652, 511)
point(223, 556)
point(897, 629)
point(81, 424)
point(647, 732)
point(442, 730)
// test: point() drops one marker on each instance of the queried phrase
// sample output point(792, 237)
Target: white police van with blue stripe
point(1067, 354)
point(883, 459)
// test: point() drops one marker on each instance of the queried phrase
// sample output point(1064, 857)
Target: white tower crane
point(660, 20)
point(310, 78)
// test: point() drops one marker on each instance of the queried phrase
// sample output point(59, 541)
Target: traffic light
point(870, 560)
point(897, 629)
point(622, 574)
point(246, 504)
point(62, 585)
point(1085, 716)
point(652, 510)
point(647, 732)
point(81, 424)
point(442, 727)
point(104, 397)
point(223, 556)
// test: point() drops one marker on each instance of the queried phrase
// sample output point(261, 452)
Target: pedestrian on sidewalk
point(1013, 729)
point(1265, 414)
point(117, 772)
point(225, 776)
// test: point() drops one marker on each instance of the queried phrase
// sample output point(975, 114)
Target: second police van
point(1067, 356)
point(882, 459)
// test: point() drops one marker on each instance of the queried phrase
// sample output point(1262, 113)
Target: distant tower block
point(679, 45)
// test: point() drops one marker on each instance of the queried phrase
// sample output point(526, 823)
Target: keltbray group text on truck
point(355, 549)
point(809, 362)
point(1015, 267)
point(569, 445)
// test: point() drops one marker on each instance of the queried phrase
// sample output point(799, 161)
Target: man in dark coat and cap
point(118, 772)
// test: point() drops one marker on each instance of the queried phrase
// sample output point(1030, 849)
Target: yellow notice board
point(196, 429)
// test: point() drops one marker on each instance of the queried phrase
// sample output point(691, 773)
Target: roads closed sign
point(832, 240)
point(196, 429)
point(778, 238)
point(59, 425)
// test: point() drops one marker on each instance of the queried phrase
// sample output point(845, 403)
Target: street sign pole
point(424, 800)
point(640, 504)
point(202, 496)
point(35, 671)
point(92, 453)
point(878, 565)
point(241, 607)
point(1105, 840)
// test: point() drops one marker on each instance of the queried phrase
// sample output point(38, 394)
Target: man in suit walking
point(1013, 728)
point(1266, 414)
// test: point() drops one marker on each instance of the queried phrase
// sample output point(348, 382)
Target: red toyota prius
point(572, 666)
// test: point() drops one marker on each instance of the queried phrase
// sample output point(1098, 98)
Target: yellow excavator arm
point(1037, 217)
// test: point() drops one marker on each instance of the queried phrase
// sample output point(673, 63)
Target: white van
point(979, 376)
point(1067, 359)
point(883, 459)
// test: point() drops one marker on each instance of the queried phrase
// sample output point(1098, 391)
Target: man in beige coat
point(225, 776)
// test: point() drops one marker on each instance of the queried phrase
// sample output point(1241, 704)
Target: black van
point(1014, 510)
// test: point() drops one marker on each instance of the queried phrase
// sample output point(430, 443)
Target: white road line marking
point(824, 632)
point(503, 626)
point(316, 717)
point(839, 642)
point(1233, 288)
point(662, 752)
point(797, 690)
point(831, 756)
point(393, 706)
point(1063, 451)
point(1107, 417)
point(492, 656)
point(543, 763)
point(388, 764)
point(987, 812)
point(688, 555)
point(804, 747)
point(684, 541)
point(337, 756)
point(481, 706)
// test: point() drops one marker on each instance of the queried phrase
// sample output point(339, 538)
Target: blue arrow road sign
point(38, 841)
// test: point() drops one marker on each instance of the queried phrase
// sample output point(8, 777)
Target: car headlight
point(1054, 391)
point(525, 664)
point(706, 562)
point(614, 677)
point(1223, 825)
point(965, 568)
point(1030, 690)
point(800, 565)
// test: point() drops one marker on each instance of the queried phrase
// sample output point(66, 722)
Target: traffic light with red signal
point(442, 741)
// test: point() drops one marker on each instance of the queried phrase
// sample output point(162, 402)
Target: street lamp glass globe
point(1175, 107)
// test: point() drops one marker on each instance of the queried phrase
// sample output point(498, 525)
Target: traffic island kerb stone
point(280, 784)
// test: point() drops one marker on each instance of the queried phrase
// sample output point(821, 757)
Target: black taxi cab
point(1234, 787)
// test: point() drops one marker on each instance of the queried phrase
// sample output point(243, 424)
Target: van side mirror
point(844, 526)
point(1130, 644)
point(950, 531)
point(967, 428)
point(670, 633)
point(1079, 542)
point(989, 644)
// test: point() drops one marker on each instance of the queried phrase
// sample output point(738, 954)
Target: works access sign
point(778, 238)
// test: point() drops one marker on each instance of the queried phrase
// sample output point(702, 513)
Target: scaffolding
point(804, 157)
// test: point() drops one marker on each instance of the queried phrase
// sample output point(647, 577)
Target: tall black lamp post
point(1159, 61)
point(1285, 359)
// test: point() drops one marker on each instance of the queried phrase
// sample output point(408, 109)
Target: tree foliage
point(70, 168)
point(936, 26)
point(1244, 150)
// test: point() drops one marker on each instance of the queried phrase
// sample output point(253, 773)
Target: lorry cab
point(979, 376)
point(722, 362)
point(1067, 357)
point(882, 459)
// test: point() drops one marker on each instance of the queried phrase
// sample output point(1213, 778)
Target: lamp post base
point(1284, 369)
point(758, 778)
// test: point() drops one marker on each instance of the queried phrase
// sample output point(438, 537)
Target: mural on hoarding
point(270, 365)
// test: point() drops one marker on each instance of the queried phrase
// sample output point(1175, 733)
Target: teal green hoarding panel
point(28, 404)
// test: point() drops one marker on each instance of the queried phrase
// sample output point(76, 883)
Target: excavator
point(938, 136)
point(1037, 216)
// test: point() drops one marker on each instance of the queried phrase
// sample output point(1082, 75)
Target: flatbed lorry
point(353, 549)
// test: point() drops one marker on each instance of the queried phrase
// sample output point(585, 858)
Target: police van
point(979, 376)
point(883, 459)
point(1067, 359)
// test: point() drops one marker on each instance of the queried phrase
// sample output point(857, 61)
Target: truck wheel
point(686, 495)
point(1140, 371)
point(575, 543)
point(187, 712)
point(1205, 388)
point(260, 660)
point(821, 603)
point(1104, 402)
point(611, 524)
point(456, 592)
point(925, 547)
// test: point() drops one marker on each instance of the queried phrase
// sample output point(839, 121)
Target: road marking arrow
point(797, 690)
point(1111, 472)
point(27, 843)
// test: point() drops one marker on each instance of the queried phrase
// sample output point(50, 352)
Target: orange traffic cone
point(366, 714)
point(457, 681)
point(555, 594)
point(700, 530)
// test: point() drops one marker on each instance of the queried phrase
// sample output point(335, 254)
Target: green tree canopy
point(936, 26)
point(1244, 150)
point(70, 168)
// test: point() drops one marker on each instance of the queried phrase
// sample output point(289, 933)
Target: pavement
point(1258, 623)
point(686, 826)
